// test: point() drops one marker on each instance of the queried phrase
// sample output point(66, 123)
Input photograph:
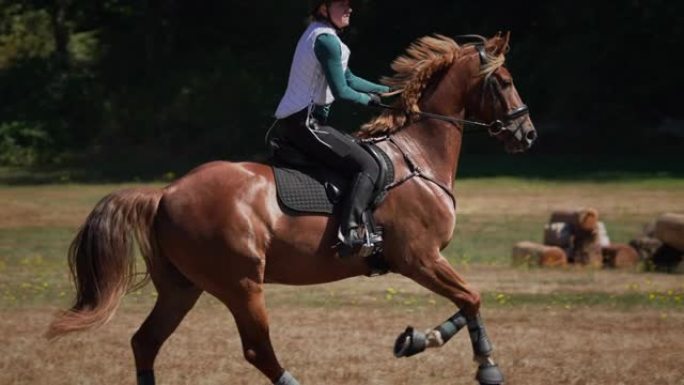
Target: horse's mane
point(424, 58)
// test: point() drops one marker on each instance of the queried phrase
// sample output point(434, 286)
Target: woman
point(319, 75)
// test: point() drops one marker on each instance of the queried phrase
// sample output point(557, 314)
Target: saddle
point(305, 187)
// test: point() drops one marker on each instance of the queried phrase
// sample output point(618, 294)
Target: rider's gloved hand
point(375, 100)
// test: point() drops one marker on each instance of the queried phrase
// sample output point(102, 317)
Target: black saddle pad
point(308, 190)
point(315, 190)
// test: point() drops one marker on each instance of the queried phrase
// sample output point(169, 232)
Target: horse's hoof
point(409, 343)
point(489, 374)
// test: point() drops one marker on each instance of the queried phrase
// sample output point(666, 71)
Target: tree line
point(179, 81)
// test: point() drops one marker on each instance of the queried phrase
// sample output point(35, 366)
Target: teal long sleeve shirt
point(343, 84)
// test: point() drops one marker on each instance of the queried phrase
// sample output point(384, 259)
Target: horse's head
point(441, 80)
point(494, 98)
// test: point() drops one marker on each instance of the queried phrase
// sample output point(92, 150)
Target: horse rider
point(318, 76)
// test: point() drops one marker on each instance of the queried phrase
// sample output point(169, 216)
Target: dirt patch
point(353, 346)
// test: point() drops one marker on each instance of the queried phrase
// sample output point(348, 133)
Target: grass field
point(568, 326)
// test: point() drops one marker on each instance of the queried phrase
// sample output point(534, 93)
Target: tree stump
point(620, 256)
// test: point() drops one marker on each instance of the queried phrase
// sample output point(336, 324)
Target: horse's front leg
point(435, 273)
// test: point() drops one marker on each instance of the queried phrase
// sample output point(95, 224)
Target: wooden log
point(535, 254)
point(669, 228)
point(553, 256)
point(620, 256)
point(584, 219)
point(558, 234)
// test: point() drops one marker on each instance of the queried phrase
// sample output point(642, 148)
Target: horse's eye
point(505, 83)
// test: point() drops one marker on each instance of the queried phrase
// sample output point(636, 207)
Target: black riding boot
point(356, 202)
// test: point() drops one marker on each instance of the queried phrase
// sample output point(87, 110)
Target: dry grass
point(69, 204)
point(352, 345)
point(570, 326)
point(342, 333)
point(540, 198)
point(48, 205)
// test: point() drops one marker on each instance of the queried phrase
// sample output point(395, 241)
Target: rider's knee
point(360, 161)
point(369, 166)
point(373, 170)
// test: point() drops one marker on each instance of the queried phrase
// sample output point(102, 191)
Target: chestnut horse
point(221, 230)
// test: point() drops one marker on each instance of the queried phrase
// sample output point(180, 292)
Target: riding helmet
point(314, 4)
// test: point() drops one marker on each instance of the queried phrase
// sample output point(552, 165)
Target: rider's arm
point(363, 85)
point(329, 54)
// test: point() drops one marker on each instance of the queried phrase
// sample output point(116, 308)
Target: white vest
point(307, 84)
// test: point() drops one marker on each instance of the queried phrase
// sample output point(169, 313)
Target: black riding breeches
point(327, 145)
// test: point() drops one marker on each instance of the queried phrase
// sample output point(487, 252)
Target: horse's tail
point(101, 258)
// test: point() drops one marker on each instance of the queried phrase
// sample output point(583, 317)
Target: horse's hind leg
point(176, 296)
point(248, 308)
point(435, 273)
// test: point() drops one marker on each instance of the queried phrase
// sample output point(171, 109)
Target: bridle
point(492, 86)
point(494, 128)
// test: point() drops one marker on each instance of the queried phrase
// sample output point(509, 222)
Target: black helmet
point(315, 4)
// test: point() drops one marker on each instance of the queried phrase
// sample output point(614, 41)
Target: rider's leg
point(356, 201)
point(339, 151)
point(360, 193)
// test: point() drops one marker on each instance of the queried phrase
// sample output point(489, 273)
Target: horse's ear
point(500, 43)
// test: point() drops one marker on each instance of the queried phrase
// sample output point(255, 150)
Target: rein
point(494, 126)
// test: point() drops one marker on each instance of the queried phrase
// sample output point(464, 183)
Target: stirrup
point(366, 243)
point(371, 242)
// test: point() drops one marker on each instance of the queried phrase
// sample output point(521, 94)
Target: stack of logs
point(576, 237)
point(662, 243)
